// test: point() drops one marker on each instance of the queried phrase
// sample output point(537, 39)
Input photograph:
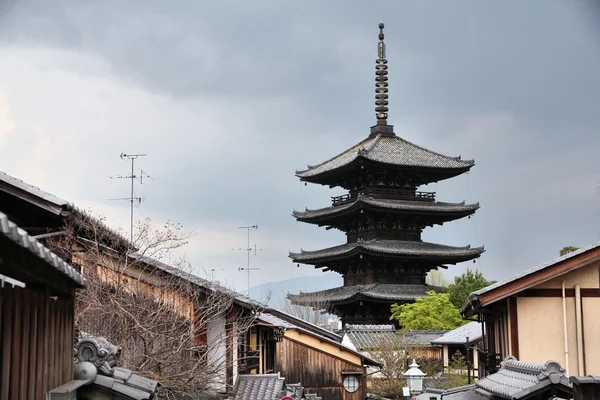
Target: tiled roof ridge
point(457, 158)
point(35, 190)
point(370, 327)
point(356, 146)
point(23, 239)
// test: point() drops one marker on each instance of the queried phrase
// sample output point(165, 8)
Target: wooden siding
point(318, 371)
point(36, 343)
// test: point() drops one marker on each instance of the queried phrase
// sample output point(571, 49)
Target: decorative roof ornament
point(381, 81)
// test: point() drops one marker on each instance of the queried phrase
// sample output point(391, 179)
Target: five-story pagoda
point(383, 215)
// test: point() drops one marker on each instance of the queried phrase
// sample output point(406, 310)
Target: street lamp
point(414, 377)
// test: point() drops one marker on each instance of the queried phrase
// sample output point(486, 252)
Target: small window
point(351, 383)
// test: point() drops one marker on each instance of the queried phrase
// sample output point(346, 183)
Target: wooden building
point(384, 260)
point(307, 354)
point(548, 312)
point(37, 290)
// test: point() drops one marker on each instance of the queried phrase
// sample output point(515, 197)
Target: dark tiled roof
point(390, 204)
point(369, 337)
point(399, 292)
point(397, 247)
point(515, 380)
point(258, 387)
point(60, 205)
point(206, 284)
point(472, 330)
point(391, 150)
point(22, 238)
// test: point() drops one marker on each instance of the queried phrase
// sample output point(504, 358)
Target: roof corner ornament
point(381, 81)
point(94, 355)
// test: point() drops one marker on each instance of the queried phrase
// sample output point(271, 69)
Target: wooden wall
point(36, 343)
point(317, 371)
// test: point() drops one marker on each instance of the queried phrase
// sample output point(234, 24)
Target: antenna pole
point(131, 198)
point(248, 249)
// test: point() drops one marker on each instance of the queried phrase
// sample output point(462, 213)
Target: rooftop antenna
point(248, 249)
point(132, 198)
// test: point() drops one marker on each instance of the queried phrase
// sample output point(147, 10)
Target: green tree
point(466, 284)
point(433, 311)
point(567, 250)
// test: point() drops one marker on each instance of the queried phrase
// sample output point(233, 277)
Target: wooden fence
point(36, 342)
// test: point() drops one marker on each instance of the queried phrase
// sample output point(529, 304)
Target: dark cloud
point(278, 85)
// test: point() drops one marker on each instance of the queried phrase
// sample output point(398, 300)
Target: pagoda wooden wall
point(318, 371)
point(36, 342)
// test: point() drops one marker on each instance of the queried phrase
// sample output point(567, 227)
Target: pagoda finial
point(381, 83)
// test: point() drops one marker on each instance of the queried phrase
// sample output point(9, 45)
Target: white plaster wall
point(217, 354)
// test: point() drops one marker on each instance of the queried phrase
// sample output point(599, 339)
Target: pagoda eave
point(429, 213)
point(431, 252)
point(376, 293)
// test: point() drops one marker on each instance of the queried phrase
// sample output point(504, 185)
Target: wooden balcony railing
point(384, 194)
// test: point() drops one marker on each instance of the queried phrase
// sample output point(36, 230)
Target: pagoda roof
point(391, 151)
point(375, 291)
point(401, 248)
point(426, 207)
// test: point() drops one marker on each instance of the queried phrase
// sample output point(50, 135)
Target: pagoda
point(384, 260)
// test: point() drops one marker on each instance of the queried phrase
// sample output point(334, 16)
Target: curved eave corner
point(471, 308)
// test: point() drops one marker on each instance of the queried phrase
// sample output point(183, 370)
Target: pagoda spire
point(381, 81)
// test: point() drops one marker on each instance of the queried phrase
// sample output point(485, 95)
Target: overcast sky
point(229, 98)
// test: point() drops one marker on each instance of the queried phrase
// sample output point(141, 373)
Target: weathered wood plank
point(16, 345)
point(25, 323)
point(6, 343)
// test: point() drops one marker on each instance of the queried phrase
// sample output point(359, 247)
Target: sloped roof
point(529, 278)
point(434, 207)
point(59, 205)
point(369, 337)
point(392, 291)
point(404, 248)
point(390, 150)
point(22, 238)
point(315, 331)
point(536, 269)
point(472, 330)
point(258, 387)
point(515, 380)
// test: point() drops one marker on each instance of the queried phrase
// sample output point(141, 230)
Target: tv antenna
point(248, 250)
point(132, 198)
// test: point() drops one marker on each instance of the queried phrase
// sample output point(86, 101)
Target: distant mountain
point(273, 293)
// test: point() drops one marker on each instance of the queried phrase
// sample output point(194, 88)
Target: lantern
point(414, 377)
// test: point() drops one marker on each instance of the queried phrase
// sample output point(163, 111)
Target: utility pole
point(248, 249)
point(132, 198)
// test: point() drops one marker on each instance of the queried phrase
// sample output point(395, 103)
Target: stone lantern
point(414, 377)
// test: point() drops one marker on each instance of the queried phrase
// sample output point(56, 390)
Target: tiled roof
point(96, 364)
point(536, 269)
point(369, 337)
point(391, 150)
point(384, 291)
point(258, 387)
point(60, 205)
point(398, 247)
point(472, 330)
point(515, 380)
point(22, 238)
point(238, 297)
point(34, 190)
point(390, 204)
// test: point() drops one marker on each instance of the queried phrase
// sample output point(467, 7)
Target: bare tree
point(171, 326)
